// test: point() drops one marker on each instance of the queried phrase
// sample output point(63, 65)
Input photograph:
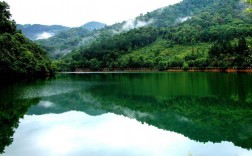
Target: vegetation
point(10, 114)
point(93, 26)
point(249, 9)
point(18, 55)
point(232, 55)
point(184, 35)
point(64, 42)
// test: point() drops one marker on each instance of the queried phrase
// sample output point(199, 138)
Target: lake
point(153, 113)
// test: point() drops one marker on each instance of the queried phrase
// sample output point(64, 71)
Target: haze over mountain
point(66, 41)
point(38, 31)
point(78, 37)
point(190, 34)
point(180, 35)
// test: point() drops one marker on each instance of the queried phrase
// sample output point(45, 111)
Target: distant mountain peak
point(93, 25)
point(39, 31)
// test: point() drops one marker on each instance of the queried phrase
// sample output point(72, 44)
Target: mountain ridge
point(40, 31)
point(224, 23)
point(34, 31)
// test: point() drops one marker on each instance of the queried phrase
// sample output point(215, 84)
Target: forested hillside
point(65, 41)
point(193, 33)
point(18, 55)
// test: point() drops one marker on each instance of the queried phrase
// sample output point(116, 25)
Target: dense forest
point(190, 34)
point(66, 41)
point(18, 55)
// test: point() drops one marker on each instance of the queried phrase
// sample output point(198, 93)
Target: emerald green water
point(128, 114)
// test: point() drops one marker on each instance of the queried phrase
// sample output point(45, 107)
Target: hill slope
point(18, 55)
point(192, 24)
point(65, 41)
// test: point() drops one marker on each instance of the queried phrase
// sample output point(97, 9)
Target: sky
point(75, 13)
point(77, 133)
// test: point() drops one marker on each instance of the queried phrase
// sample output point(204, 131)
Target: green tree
point(5, 24)
point(18, 55)
point(248, 9)
point(94, 64)
point(185, 66)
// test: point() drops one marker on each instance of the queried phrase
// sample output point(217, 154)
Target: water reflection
point(76, 133)
point(10, 113)
point(214, 109)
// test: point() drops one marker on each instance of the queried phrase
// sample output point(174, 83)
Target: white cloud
point(76, 133)
point(183, 19)
point(44, 35)
point(78, 12)
point(131, 24)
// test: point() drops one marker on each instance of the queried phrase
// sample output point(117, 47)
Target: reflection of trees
point(203, 119)
point(10, 113)
point(200, 118)
point(231, 85)
point(203, 106)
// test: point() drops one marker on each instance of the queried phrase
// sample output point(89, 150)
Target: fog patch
point(183, 19)
point(46, 104)
point(133, 24)
point(44, 35)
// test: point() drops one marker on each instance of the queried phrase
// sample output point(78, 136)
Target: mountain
point(62, 43)
point(93, 26)
point(37, 31)
point(74, 38)
point(66, 41)
point(163, 17)
point(18, 55)
point(190, 34)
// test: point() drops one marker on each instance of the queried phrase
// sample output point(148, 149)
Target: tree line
point(220, 23)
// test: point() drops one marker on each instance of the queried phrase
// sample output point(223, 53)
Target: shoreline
point(229, 70)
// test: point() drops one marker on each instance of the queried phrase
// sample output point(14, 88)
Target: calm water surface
point(170, 114)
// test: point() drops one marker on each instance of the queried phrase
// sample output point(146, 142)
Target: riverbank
point(229, 70)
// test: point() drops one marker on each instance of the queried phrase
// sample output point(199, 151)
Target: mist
point(44, 35)
point(133, 24)
point(183, 19)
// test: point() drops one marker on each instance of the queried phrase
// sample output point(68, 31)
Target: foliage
point(66, 41)
point(190, 23)
point(10, 113)
point(18, 55)
point(176, 36)
point(224, 54)
point(93, 26)
point(249, 9)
